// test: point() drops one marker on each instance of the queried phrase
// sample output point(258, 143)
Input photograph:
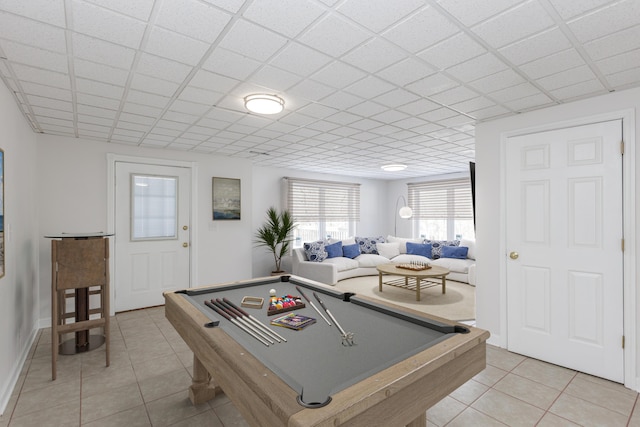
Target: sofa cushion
point(388, 250)
point(402, 242)
point(454, 265)
point(436, 245)
point(419, 249)
point(315, 251)
point(351, 251)
point(333, 250)
point(458, 252)
point(368, 244)
point(371, 260)
point(408, 258)
point(471, 244)
point(342, 263)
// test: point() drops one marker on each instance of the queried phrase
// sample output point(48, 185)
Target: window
point(442, 210)
point(154, 207)
point(322, 209)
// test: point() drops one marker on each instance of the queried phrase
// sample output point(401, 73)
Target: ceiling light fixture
point(393, 168)
point(261, 103)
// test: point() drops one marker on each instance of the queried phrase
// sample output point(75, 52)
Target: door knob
point(185, 227)
point(185, 245)
point(514, 255)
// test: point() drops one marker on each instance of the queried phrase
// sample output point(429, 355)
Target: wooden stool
point(80, 269)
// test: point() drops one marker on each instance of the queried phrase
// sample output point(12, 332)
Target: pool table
point(401, 362)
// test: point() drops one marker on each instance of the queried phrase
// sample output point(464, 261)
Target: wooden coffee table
point(432, 272)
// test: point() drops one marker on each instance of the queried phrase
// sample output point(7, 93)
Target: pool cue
point(248, 322)
point(231, 313)
point(256, 321)
point(348, 337)
point(238, 324)
point(313, 305)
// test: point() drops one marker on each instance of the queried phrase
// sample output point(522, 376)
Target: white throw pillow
point(471, 244)
point(388, 250)
point(402, 241)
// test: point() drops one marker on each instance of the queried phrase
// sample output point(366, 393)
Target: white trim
point(112, 159)
point(12, 381)
point(629, 216)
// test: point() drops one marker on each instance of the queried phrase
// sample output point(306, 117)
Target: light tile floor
point(147, 383)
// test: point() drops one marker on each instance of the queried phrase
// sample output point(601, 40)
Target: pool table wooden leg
point(202, 388)
point(421, 421)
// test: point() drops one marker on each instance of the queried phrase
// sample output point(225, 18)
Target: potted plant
point(275, 235)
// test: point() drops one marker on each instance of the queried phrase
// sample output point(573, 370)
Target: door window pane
point(154, 207)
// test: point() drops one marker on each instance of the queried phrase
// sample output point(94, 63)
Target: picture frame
point(226, 199)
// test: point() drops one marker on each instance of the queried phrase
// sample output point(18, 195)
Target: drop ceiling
point(366, 82)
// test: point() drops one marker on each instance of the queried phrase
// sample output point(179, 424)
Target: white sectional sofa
point(312, 264)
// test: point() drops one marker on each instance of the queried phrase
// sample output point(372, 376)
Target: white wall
point(72, 194)
point(267, 192)
point(18, 288)
point(490, 201)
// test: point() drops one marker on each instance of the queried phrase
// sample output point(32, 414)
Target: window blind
point(311, 200)
point(449, 199)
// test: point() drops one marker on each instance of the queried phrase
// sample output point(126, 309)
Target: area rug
point(457, 304)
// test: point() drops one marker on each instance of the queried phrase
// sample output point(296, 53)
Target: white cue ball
point(272, 292)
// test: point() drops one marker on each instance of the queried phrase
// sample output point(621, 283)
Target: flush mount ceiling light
point(261, 103)
point(393, 168)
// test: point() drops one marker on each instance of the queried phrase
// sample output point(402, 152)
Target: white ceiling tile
point(228, 5)
point(579, 90)
point(553, 64)
point(275, 79)
point(288, 17)
point(171, 45)
point(47, 112)
point(146, 98)
point(103, 121)
point(249, 39)
point(536, 46)
point(406, 71)
point(369, 87)
point(526, 103)
point(390, 116)
point(187, 107)
point(605, 21)
point(32, 33)
point(490, 112)
point(439, 114)
point(374, 55)
point(49, 11)
point(614, 44)
point(212, 81)
point(473, 104)
point(175, 126)
point(54, 104)
point(142, 110)
point(105, 24)
point(452, 51)
point(102, 51)
point(99, 72)
point(289, 59)
point(193, 19)
point(432, 84)
point(514, 92)
point(423, 29)
point(624, 61)
point(338, 75)
point(230, 64)
point(367, 109)
point(97, 101)
point(341, 100)
point(44, 90)
point(45, 77)
point(396, 97)
point(377, 14)
point(334, 35)
point(499, 80)
point(418, 107)
point(162, 68)
point(343, 118)
point(201, 96)
point(318, 111)
point(139, 9)
point(476, 68)
point(514, 24)
point(100, 89)
point(566, 78)
point(623, 78)
point(472, 12)
point(569, 9)
point(295, 119)
point(454, 95)
point(136, 118)
point(153, 85)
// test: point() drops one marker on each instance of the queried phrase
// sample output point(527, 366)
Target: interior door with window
point(152, 238)
point(564, 243)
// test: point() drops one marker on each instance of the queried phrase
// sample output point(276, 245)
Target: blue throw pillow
point(423, 249)
point(315, 251)
point(437, 246)
point(351, 251)
point(334, 250)
point(457, 252)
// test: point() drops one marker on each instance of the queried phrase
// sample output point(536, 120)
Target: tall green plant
point(276, 235)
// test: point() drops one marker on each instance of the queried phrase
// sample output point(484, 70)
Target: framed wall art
point(226, 198)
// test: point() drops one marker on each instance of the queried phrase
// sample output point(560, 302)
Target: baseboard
point(8, 387)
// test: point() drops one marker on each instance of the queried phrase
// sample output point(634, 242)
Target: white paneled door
point(564, 247)
point(152, 239)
